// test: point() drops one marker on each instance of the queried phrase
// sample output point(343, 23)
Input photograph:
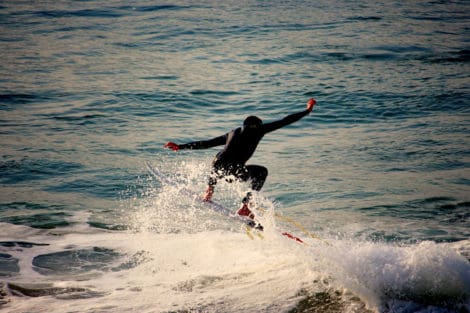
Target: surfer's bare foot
point(209, 193)
point(245, 211)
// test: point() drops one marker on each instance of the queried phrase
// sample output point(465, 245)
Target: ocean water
point(378, 173)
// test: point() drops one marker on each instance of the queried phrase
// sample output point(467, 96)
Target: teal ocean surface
point(378, 173)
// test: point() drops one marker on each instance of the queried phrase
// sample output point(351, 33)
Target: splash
point(401, 278)
point(384, 275)
point(167, 208)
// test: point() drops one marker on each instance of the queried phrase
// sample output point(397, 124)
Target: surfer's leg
point(219, 170)
point(212, 181)
point(257, 174)
point(244, 208)
point(210, 188)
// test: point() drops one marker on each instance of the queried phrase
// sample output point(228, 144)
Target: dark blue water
point(91, 90)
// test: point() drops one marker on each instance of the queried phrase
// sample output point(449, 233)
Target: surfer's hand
point(310, 104)
point(171, 145)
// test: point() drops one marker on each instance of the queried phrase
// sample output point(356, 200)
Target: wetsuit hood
point(252, 122)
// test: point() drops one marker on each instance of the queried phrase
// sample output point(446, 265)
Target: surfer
point(240, 144)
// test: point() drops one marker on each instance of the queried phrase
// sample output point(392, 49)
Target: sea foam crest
point(427, 273)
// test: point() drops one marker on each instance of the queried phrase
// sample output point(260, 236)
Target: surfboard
point(158, 175)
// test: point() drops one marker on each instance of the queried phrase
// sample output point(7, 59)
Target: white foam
point(188, 258)
point(381, 273)
point(219, 270)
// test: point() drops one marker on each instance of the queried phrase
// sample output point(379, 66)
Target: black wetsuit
point(240, 144)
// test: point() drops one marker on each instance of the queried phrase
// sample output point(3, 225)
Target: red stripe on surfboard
point(292, 237)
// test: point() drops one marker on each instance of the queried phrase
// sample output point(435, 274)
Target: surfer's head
point(252, 122)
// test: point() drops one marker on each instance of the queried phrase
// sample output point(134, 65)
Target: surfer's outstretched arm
point(202, 144)
point(269, 127)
